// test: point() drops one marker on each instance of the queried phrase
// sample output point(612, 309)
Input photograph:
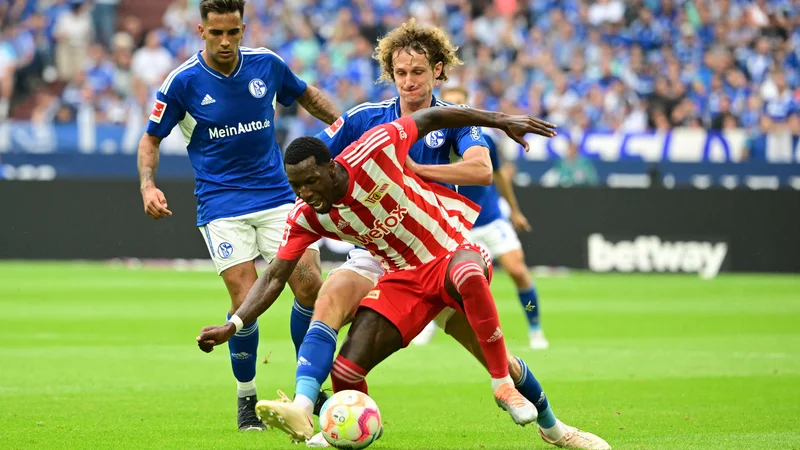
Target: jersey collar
point(397, 111)
point(217, 74)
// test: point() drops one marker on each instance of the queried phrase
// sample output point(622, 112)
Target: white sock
point(497, 382)
point(305, 402)
point(246, 389)
point(555, 432)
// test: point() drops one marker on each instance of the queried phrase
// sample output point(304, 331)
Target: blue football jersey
point(434, 148)
point(230, 135)
point(486, 197)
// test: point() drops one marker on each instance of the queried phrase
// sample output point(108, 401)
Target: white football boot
point(577, 439)
point(521, 410)
point(537, 340)
point(288, 417)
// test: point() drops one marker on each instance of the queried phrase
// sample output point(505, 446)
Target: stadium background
point(679, 137)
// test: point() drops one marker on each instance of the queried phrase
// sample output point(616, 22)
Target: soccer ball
point(350, 419)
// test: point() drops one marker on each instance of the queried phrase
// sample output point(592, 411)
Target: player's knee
point(238, 289)
point(329, 310)
point(306, 293)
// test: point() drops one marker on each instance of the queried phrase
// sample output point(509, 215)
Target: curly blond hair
point(432, 42)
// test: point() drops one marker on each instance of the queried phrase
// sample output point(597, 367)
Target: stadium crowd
point(608, 65)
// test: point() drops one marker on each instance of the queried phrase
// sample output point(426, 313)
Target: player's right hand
point(155, 204)
point(212, 336)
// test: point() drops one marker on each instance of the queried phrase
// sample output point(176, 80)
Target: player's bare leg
point(337, 303)
point(552, 430)
point(306, 280)
point(467, 282)
point(238, 280)
point(371, 339)
point(514, 263)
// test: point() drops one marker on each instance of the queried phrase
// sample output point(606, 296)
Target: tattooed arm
point(155, 204)
point(318, 105)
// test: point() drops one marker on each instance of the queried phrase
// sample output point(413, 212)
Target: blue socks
point(315, 359)
point(298, 324)
point(530, 304)
point(243, 346)
point(530, 388)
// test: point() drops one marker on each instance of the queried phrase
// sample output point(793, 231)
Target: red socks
point(469, 280)
point(347, 375)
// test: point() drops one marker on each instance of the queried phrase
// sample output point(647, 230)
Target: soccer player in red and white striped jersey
point(386, 209)
point(368, 197)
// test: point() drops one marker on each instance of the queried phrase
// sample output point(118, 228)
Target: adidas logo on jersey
point(207, 100)
point(496, 336)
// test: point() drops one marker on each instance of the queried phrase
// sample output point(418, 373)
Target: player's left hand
point(415, 167)
point(520, 222)
point(517, 126)
point(210, 337)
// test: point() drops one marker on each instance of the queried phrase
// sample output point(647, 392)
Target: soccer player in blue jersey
point(414, 58)
point(223, 100)
point(496, 233)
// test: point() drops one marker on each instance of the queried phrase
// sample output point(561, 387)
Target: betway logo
point(384, 227)
point(241, 128)
point(650, 254)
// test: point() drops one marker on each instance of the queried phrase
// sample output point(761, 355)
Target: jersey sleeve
point(403, 133)
point(340, 134)
point(167, 111)
point(290, 86)
point(296, 237)
point(467, 137)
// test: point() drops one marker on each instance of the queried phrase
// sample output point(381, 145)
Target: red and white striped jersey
point(387, 209)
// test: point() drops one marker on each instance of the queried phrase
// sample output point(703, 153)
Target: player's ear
point(437, 70)
point(332, 167)
point(200, 30)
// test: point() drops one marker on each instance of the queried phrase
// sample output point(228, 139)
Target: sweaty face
point(413, 76)
point(312, 183)
point(222, 33)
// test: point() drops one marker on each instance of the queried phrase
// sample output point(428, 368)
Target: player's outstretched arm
point(261, 296)
point(515, 126)
point(155, 203)
point(318, 105)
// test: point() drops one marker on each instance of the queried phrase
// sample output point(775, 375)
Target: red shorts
point(410, 299)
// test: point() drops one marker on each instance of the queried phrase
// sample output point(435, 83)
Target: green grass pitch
point(94, 356)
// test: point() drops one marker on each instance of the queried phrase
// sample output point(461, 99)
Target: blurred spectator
point(575, 169)
point(73, 35)
point(607, 65)
point(152, 62)
point(104, 18)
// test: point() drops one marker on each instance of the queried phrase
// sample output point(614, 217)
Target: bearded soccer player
point(223, 100)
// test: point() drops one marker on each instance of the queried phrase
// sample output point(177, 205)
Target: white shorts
point(498, 238)
point(363, 263)
point(234, 240)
